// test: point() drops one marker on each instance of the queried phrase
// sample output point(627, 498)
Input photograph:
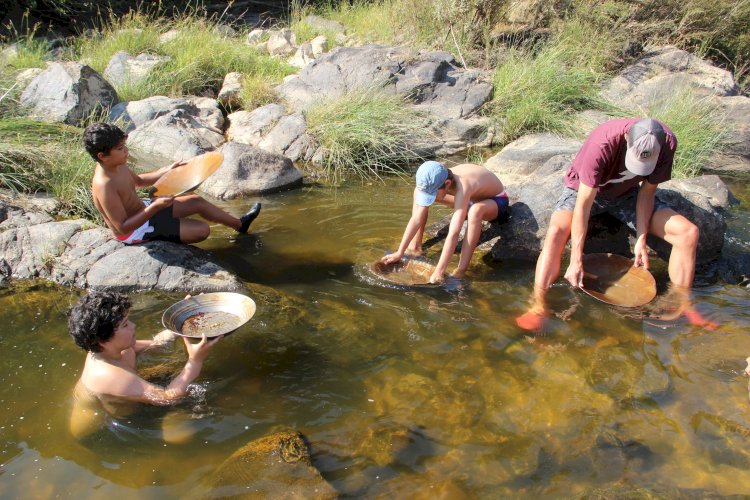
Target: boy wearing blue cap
point(475, 194)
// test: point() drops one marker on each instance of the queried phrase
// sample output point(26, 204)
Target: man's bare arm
point(454, 229)
point(149, 178)
point(581, 213)
point(644, 209)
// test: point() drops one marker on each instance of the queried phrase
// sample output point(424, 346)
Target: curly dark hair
point(101, 138)
point(94, 318)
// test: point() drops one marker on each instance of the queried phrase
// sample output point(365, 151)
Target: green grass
point(697, 123)
point(367, 134)
point(538, 93)
point(36, 156)
point(200, 57)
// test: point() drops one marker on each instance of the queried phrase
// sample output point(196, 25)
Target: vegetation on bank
point(367, 134)
point(545, 71)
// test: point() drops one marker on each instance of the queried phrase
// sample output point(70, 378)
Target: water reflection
point(401, 392)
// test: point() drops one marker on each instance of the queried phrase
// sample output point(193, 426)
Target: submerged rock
point(274, 466)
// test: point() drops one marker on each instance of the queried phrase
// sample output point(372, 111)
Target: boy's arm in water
point(449, 247)
point(149, 178)
point(122, 383)
point(416, 224)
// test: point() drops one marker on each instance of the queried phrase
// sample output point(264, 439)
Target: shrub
point(535, 93)
point(367, 133)
point(696, 122)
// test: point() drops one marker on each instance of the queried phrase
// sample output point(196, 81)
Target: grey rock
point(319, 45)
point(159, 265)
point(230, 94)
point(523, 156)
point(288, 137)
point(281, 43)
point(735, 155)
point(664, 71)
point(255, 36)
point(24, 77)
point(67, 92)
point(124, 69)
point(83, 250)
point(302, 56)
point(177, 135)
point(323, 24)
point(132, 114)
point(249, 127)
point(250, 170)
point(431, 81)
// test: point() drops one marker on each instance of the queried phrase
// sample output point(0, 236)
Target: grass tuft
point(697, 123)
point(536, 93)
point(367, 133)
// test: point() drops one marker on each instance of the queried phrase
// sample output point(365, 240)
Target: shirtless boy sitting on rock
point(475, 194)
point(133, 220)
point(99, 323)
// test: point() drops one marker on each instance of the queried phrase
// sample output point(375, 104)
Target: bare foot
point(696, 319)
point(414, 253)
point(532, 321)
point(458, 274)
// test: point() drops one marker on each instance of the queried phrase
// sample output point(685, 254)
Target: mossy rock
point(276, 466)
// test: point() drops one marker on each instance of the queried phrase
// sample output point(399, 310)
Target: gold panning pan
point(214, 314)
point(406, 272)
point(185, 178)
point(613, 279)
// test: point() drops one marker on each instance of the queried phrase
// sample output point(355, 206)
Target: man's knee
point(557, 234)
point(689, 234)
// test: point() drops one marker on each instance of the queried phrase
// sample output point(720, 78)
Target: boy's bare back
point(477, 182)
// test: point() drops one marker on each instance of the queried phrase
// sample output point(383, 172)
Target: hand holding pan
point(613, 279)
point(185, 178)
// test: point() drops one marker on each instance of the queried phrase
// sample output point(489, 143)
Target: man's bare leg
point(193, 231)
point(547, 269)
point(481, 211)
point(683, 236)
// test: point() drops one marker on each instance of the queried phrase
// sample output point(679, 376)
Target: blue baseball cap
point(430, 176)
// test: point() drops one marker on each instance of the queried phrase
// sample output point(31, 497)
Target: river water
point(399, 392)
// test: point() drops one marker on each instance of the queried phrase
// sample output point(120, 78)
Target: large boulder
point(133, 114)
point(735, 155)
point(249, 127)
point(664, 71)
point(67, 92)
point(288, 138)
point(532, 170)
point(76, 253)
point(449, 95)
point(250, 170)
point(276, 466)
point(124, 70)
point(177, 135)
point(281, 43)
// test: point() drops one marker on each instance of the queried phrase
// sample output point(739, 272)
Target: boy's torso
point(120, 180)
point(477, 182)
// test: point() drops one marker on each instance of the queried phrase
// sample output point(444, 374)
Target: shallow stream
point(399, 392)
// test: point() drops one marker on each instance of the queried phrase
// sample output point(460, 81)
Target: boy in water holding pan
point(475, 194)
point(100, 324)
point(133, 220)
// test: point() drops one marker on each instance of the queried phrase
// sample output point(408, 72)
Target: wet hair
point(95, 317)
point(101, 138)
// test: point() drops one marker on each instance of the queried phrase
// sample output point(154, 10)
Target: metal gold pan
point(406, 272)
point(189, 176)
point(214, 314)
point(613, 279)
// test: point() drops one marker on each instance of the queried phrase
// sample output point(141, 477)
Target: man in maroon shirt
point(617, 170)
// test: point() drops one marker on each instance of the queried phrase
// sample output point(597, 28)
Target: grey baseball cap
point(645, 140)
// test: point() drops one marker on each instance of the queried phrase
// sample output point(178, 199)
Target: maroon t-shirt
point(600, 163)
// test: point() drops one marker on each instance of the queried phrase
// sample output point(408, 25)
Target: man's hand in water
point(391, 258)
point(640, 250)
point(574, 274)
